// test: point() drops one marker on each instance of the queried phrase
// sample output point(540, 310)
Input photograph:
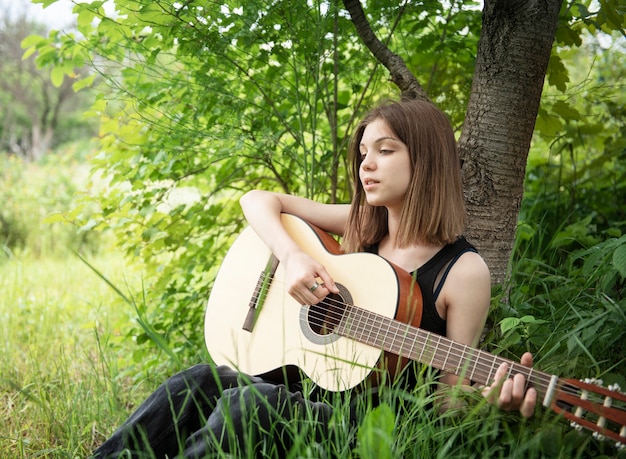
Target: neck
point(393, 225)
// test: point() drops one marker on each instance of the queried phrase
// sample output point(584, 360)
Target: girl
point(408, 208)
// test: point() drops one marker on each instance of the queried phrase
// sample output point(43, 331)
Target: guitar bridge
point(260, 292)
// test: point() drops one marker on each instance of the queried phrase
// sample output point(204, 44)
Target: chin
point(373, 202)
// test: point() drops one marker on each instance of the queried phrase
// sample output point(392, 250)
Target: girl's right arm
point(262, 209)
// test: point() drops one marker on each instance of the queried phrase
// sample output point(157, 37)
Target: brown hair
point(433, 211)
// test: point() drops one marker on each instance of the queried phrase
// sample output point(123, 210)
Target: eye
point(385, 152)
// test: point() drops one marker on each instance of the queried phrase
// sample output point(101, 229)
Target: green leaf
point(56, 76)
point(548, 124)
point(375, 433)
point(45, 3)
point(619, 260)
point(31, 40)
point(29, 52)
point(84, 82)
point(85, 17)
point(509, 323)
point(566, 110)
point(558, 76)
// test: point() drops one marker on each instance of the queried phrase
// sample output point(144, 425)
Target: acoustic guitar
point(254, 325)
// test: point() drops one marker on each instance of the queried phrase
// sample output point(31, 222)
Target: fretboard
point(435, 350)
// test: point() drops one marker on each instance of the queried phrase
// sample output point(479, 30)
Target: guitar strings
point(409, 332)
point(414, 334)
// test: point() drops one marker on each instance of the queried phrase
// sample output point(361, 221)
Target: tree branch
point(401, 76)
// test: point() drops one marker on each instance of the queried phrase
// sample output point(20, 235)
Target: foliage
point(200, 103)
point(33, 197)
point(37, 114)
point(567, 297)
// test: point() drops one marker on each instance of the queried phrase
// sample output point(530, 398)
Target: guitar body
point(284, 332)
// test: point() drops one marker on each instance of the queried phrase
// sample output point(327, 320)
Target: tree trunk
point(511, 64)
point(41, 139)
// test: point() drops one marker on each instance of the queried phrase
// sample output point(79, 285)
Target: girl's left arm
point(467, 296)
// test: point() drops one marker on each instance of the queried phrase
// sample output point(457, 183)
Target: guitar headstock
point(587, 404)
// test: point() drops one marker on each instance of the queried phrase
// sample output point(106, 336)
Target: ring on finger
point(314, 286)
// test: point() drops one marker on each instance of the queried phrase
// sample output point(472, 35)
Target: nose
point(367, 163)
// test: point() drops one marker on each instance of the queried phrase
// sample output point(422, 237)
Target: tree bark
point(511, 64)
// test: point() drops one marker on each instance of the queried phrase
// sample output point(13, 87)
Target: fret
point(410, 354)
point(358, 326)
point(398, 338)
point(361, 327)
point(432, 360)
point(475, 359)
point(381, 336)
point(387, 333)
point(423, 347)
point(374, 326)
point(367, 327)
point(528, 379)
point(345, 324)
point(461, 359)
point(443, 366)
point(489, 377)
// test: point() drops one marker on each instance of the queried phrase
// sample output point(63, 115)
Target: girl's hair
point(433, 211)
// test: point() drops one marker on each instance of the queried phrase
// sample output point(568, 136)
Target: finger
point(527, 359)
point(313, 291)
point(301, 292)
point(504, 399)
point(327, 281)
point(500, 374)
point(492, 392)
point(528, 405)
point(518, 389)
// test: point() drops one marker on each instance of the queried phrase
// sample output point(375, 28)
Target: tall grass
point(60, 388)
point(63, 388)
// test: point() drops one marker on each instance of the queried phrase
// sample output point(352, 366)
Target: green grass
point(68, 379)
point(60, 389)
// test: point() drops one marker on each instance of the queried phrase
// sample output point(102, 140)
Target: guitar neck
point(435, 350)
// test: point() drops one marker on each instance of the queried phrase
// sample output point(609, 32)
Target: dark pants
point(207, 410)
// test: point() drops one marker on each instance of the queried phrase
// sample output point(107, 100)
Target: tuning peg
point(615, 387)
point(576, 426)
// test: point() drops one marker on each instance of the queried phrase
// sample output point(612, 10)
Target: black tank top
point(427, 275)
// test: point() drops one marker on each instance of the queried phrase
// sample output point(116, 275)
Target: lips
point(369, 183)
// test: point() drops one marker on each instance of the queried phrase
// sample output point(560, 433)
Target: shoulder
point(468, 284)
point(470, 267)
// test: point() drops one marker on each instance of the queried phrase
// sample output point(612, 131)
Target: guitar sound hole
point(324, 317)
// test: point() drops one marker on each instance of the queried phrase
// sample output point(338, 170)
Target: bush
point(33, 196)
point(566, 298)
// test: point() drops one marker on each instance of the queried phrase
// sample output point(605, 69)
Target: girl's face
point(385, 171)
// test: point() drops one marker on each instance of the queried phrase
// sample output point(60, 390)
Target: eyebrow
point(381, 139)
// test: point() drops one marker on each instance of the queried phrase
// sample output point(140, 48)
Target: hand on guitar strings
point(510, 394)
point(308, 282)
